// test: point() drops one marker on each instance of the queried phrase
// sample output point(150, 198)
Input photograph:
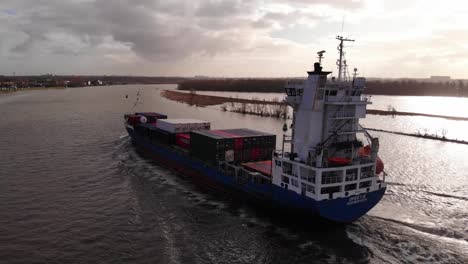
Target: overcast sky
point(394, 38)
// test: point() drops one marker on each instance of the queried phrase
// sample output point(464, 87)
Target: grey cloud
point(345, 4)
point(147, 26)
point(222, 8)
point(152, 29)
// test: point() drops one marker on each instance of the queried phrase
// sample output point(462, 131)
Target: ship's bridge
point(294, 90)
point(343, 92)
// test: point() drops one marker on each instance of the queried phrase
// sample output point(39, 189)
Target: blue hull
point(343, 210)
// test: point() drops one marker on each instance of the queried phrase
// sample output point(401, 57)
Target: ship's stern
point(349, 209)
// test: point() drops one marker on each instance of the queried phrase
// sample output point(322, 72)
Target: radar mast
point(340, 61)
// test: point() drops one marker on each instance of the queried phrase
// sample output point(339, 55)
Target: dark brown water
point(73, 190)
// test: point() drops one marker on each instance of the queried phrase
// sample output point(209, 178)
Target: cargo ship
point(323, 168)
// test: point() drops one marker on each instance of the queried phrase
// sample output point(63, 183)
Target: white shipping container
point(182, 125)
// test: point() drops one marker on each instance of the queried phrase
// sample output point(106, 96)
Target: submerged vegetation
point(254, 106)
point(424, 134)
point(261, 109)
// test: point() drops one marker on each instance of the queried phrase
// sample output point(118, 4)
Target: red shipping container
point(255, 154)
point(133, 119)
point(183, 140)
point(238, 143)
point(238, 156)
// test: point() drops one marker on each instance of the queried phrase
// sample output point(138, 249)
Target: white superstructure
point(326, 159)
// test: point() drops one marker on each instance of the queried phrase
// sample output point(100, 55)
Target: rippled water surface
point(73, 190)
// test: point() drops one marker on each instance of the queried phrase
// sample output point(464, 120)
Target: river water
point(73, 190)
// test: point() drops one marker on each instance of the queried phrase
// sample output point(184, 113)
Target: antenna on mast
point(320, 56)
point(355, 74)
point(340, 60)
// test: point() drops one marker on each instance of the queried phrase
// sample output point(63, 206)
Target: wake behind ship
point(322, 168)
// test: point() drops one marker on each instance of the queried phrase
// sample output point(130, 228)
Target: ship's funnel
point(317, 68)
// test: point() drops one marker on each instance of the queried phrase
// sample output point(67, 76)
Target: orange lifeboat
point(339, 161)
point(365, 152)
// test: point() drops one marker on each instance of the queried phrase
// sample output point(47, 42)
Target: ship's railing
point(366, 98)
point(328, 183)
point(367, 174)
point(340, 85)
point(343, 114)
point(330, 179)
point(351, 177)
point(347, 99)
point(242, 175)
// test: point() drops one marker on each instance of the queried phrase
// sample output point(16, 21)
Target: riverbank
point(419, 135)
point(399, 113)
point(31, 89)
point(404, 87)
point(207, 100)
point(247, 106)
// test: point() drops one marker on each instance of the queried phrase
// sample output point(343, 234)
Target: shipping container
point(263, 167)
point(133, 119)
point(182, 125)
point(151, 116)
point(183, 140)
point(154, 134)
point(208, 146)
point(237, 145)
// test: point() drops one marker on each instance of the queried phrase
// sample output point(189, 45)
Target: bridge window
point(332, 189)
point(285, 179)
point(308, 174)
point(364, 184)
point(320, 94)
point(331, 92)
point(290, 91)
point(351, 175)
point(287, 167)
point(294, 183)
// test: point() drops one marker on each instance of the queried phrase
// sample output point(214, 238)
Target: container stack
point(182, 125)
point(149, 117)
point(183, 140)
point(152, 117)
point(232, 145)
point(154, 134)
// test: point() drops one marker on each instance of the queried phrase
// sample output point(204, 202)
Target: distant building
point(440, 78)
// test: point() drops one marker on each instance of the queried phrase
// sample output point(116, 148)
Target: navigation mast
point(340, 60)
point(320, 56)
